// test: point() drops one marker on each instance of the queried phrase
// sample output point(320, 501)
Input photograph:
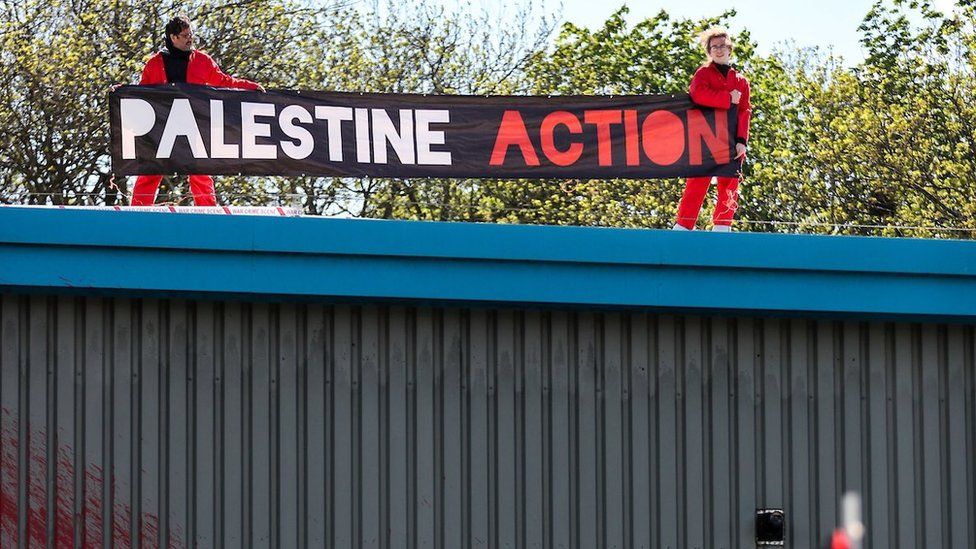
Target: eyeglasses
point(185, 35)
point(725, 47)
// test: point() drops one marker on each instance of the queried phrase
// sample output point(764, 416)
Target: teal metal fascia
point(325, 258)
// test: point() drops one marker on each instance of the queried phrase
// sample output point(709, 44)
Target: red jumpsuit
point(201, 70)
point(709, 88)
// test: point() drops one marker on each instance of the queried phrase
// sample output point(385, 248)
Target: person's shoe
point(678, 227)
point(721, 228)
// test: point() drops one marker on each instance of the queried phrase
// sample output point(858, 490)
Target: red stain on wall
point(85, 523)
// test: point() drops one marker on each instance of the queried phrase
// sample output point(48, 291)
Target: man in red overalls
point(179, 62)
point(719, 86)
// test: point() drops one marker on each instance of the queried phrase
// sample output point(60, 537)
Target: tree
point(894, 136)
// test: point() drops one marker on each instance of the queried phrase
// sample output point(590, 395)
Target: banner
point(190, 129)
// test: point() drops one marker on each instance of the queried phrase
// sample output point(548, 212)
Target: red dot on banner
point(663, 137)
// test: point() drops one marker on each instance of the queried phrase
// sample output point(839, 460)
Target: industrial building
point(241, 381)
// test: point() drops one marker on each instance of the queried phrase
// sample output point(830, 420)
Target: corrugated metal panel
point(177, 423)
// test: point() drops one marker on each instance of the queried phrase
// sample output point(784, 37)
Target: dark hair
point(177, 25)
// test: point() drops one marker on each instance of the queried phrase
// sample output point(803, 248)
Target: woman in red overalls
point(719, 86)
point(179, 62)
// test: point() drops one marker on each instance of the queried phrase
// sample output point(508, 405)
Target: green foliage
point(895, 134)
point(883, 147)
point(657, 55)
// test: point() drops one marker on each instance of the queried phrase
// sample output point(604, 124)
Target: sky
point(824, 23)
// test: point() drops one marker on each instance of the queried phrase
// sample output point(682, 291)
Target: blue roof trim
point(457, 262)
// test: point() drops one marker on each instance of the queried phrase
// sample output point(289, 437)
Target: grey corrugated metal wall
point(171, 423)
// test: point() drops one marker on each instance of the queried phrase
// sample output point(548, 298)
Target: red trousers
point(725, 203)
point(202, 187)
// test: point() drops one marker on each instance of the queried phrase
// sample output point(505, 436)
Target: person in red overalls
point(717, 85)
point(179, 62)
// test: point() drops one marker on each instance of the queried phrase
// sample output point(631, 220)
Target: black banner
point(200, 130)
